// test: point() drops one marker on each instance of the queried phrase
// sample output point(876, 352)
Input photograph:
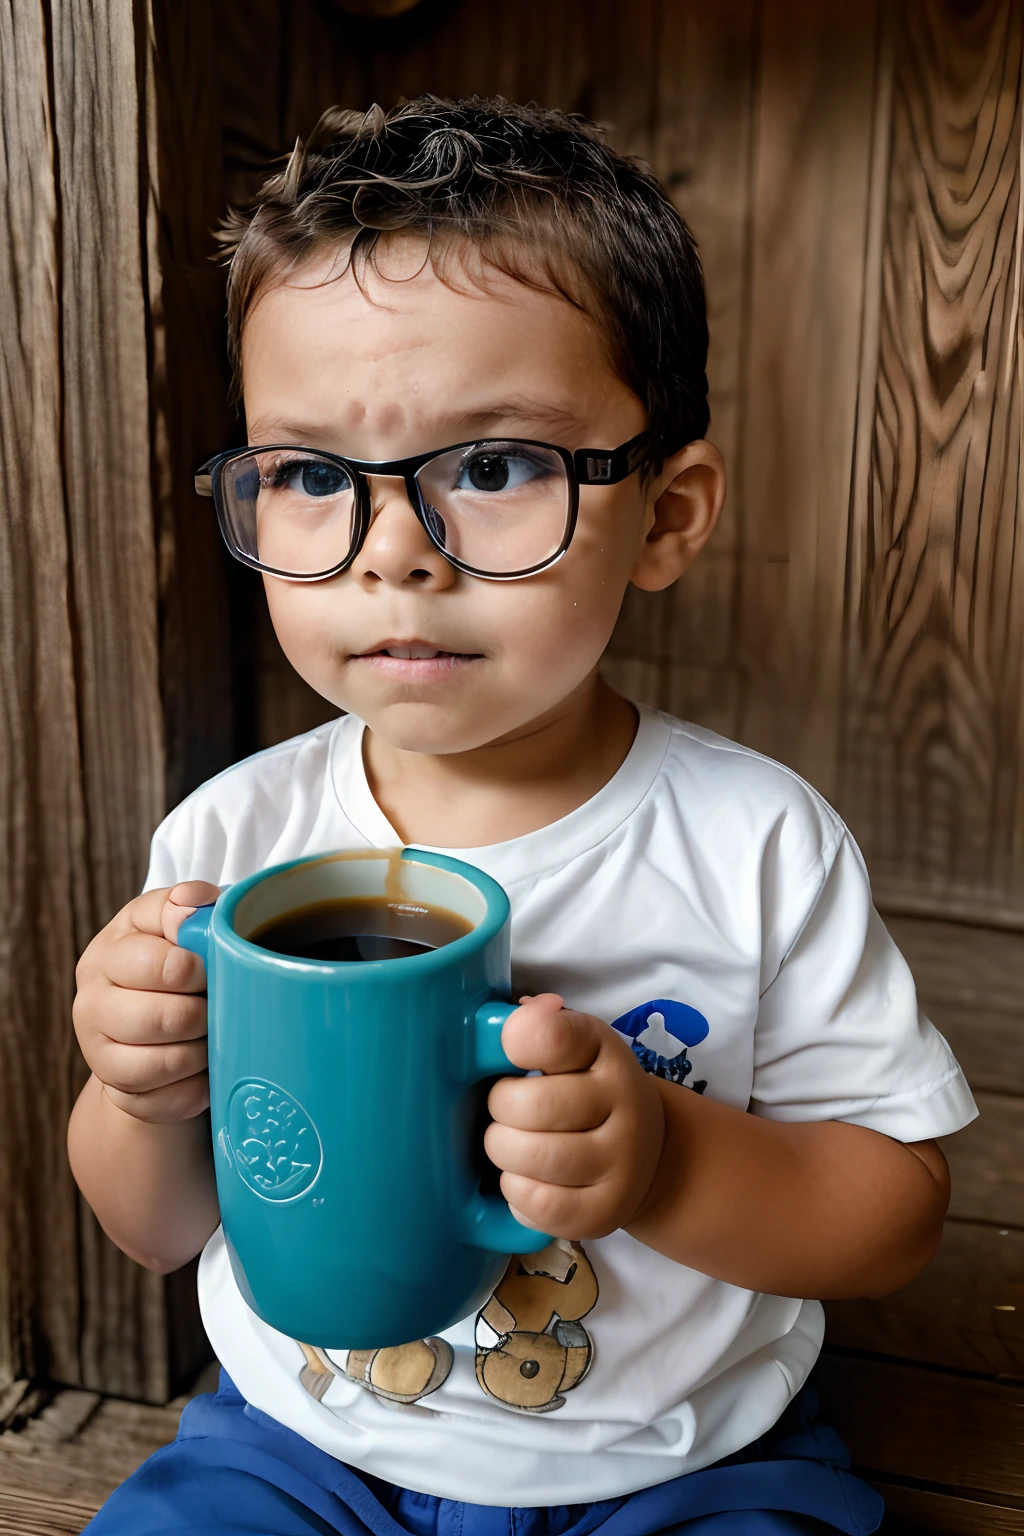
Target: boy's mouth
point(415, 659)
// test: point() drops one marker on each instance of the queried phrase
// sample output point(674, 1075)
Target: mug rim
point(495, 917)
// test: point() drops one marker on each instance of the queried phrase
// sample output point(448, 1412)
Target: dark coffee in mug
point(360, 928)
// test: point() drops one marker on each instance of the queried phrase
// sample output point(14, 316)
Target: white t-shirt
point(711, 905)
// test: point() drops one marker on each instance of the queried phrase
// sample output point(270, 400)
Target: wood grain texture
point(82, 771)
point(99, 126)
point(76, 1447)
point(106, 440)
point(957, 965)
point(986, 1161)
point(188, 390)
point(42, 821)
point(971, 983)
point(38, 1514)
point(926, 1426)
point(814, 153)
point(932, 744)
point(965, 1313)
point(911, 1510)
point(694, 125)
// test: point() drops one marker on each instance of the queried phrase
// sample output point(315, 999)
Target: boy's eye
point(491, 472)
point(309, 477)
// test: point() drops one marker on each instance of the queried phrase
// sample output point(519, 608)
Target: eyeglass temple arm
point(603, 466)
point(204, 478)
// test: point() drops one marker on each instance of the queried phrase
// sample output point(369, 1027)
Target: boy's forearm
point(821, 1209)
point(150, 1185)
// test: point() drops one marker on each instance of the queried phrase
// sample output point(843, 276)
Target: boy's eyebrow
point(519, 409)
point(546, 415)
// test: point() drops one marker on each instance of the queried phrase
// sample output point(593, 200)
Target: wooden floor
point(63, 1451)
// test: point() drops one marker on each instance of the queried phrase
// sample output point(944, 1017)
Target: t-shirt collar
point(536, 852)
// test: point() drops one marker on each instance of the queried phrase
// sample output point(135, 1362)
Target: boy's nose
point(396, 550)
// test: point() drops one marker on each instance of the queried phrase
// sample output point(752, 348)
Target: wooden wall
point(90, 608)
point(853, 175)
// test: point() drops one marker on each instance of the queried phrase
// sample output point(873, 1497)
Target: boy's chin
point(430, 729)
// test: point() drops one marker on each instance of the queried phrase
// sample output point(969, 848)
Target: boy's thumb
point(182, 901)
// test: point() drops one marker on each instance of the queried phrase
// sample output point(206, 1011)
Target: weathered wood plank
point(82, 766)
point(39, 1514)
point(676, 649)
point(99, 130)
point(971, 983)
point(188, 389)
point(106, 442)
point(79, 1447)
point(945, 1514)
point(988, 1046)
point(987, 1163)
point(961, 966)
point(965, 1313)
point(927, 1426)
point(42, 823)
point(932, 745)
point(810, 214)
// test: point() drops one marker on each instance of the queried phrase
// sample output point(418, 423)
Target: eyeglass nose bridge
point(366, 516)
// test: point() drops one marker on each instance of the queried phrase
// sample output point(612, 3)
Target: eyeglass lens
point(498, 507)
point(292, 511)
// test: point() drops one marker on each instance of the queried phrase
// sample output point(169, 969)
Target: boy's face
point(400, 365)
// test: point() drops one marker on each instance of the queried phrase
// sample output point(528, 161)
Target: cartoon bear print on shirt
point(401, 1373)
point(531, 1343)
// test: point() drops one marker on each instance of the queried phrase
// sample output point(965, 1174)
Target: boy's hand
point(578, 1147)
point(139, 1013)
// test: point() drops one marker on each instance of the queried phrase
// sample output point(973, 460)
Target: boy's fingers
point(552, 1157)
point(143, 962)
point(563, 1101)
point(178, 1101)
point(542, 1036)
point(152, 1018)
point(143, 1068)
point(572, 1213)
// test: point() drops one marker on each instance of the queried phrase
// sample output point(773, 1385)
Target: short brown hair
point(539, 192)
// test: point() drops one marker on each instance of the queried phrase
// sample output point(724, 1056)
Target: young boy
point(471, 344)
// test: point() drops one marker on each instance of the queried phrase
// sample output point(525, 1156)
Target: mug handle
point(489, 1222)
point(194, 933)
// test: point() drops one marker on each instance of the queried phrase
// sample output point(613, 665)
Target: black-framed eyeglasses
point(500, 508)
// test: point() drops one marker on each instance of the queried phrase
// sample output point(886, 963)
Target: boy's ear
point(688, 497)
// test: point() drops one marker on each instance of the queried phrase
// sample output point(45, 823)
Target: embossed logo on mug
point(271, 1140)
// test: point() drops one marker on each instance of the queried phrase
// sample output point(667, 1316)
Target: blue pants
point(235, 1469)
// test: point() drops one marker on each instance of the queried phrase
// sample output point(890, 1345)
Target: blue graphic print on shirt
point(660, 1032)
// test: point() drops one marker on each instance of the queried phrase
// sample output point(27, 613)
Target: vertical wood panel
point(933, 743)
point(188, 390)
point(106, 439)
point(82, 770)
point(109, 509)
point(42, 826)
point(810, 211)
point(676, 649)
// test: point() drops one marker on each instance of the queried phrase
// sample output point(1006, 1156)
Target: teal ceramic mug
point(347, 1105)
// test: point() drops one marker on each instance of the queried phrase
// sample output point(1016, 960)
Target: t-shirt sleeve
point(163, 866)
point(840, 1035)
point(189, 844)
